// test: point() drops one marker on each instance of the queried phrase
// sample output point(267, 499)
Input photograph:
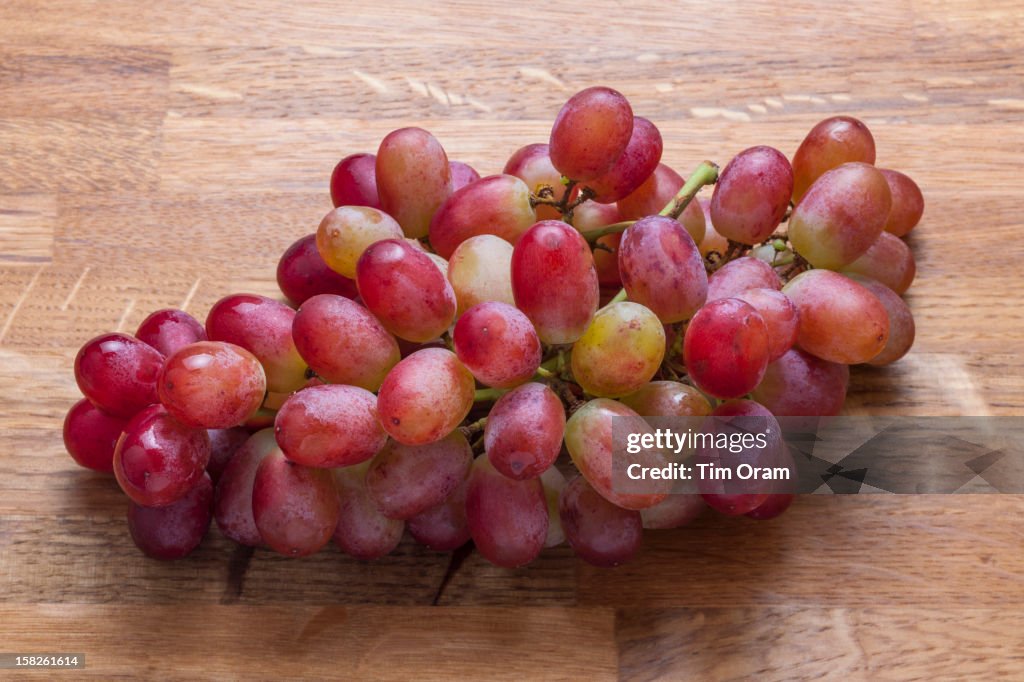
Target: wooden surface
point(164, 154)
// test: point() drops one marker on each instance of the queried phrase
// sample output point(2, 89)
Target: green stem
point(484, 395)
point(705, 174)
point(618, 298)
point(614, 228)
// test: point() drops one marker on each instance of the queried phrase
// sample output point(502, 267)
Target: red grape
point(889, 260)
point(354, 182)
point(831, 143)
point(739, 496)
point(634, 165)
point(554, 281)
point(741, 275)
point(329, 426)
point(224, 443)
point(590, 132)
point(444, 527)
point(532, 165)
point(362, 531)
point(654, 195)
point(773, 506)
point(840, 320)
point(413, 178)
point(726, 348)
point(600, 533)
point(302, 274)
point(330, 331)
point(405, 290)
point(497, 344)
point(90, 436)
point(169, 329)
point(781, 318)
point(901, 322)
point(554, 482)
point(263, 327)
point(508, 520)
point(590, 217)
point(497, 204)
point(667, 399)
point(801, 385)
point(212, 385)
point(406, 480)
point(661, 268)
point(462, 174)
point(296, 508)
point(523, 434)
point(233, 500)
point(752, 195)
point(425, 396)
point(907, 203)
point(173, 531)
point(118, 373)
point(158, 460)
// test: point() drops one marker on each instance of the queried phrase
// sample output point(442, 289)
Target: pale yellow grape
point(620, 350)
point(346, 231)
point(480, 270)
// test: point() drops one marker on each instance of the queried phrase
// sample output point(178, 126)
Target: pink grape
point(588, 438)
point(726, 348)
point(741, 275)
point(508, 520)
point(224, 443)
point(667, 399)
point(232, 505)
point(752, 194)
point(554, 281)
point(480, 270)
point(406, 480)
point(405, 290)
point(497, 204)
point(172, 532)
point(901, 322)
point(347, 231)
point(532, 165)
point(462, 174)
point(296, 508)
point(425, 396)
point(840, 320)
point(591, 216)
point(801, 385)
point(329, 426)
point(413, 178)
point(523, 434)
point(302, 274)
point(636, 163)
point(497, 343)
point(169, 329)
point(781, 317)
point(661, 268)
point(655, 193)
point(554, 482)
point(263, 327)
point(444, 527)
point(830, 143)
point(354, 182)
point(90, 436)
point(362, 531)
point(158, 460)
point(907, 203)
point(841, 215)
point(118, 373)
point(331, 330)
point(889, 261)
point(620, 350)
point(590, 133)
point(212, 385)
point(601, 533)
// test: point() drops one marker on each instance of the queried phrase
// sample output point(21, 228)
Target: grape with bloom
point(453, 355)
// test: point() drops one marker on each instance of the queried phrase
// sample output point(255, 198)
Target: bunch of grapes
point(447, 337)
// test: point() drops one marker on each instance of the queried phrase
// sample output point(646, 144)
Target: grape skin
point(295, 508)
point(726, 348)
point(224, 443)
point(508, 520)
point(362, 531)
point(752, 194)
point(840, 320)
point(799, 384)
point(212, 385)
point(889, 260)
point(661, 268)
point(90, 436)
point(118, 373)
point(354, 182)
point(425, 396)
point(554, 281)
point(667, 399)
point(444, 527)
point(480, 270)
point(741, 275)
point(620, 350)
point(330, 330)
point(462, 174)
point(523, 434)
point(232, 506)
point(634, 165)
point(346, 232)
point(497, 204)
point(169, 329)
point(329, 426)
point(780, 315)
point(590, 133)
point(172, 532)
point(907, 203)
point(532, 165)
point(655, 193)
point(601, 533)
point(302, 274)
point(829, 144)
point(590, 217)
point(497, 344)
point(554, 482)
point(413, 178)
point(901, 322)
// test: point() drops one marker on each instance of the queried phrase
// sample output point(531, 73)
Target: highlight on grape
point(451, 351)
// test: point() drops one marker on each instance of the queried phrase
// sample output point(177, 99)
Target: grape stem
point(705, 174)
point(484, 395)
point(469, 430)
point(545, 196)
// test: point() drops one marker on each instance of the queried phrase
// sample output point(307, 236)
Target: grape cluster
point(447, 337)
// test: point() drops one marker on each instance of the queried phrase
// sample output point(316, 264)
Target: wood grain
point(164, 154)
